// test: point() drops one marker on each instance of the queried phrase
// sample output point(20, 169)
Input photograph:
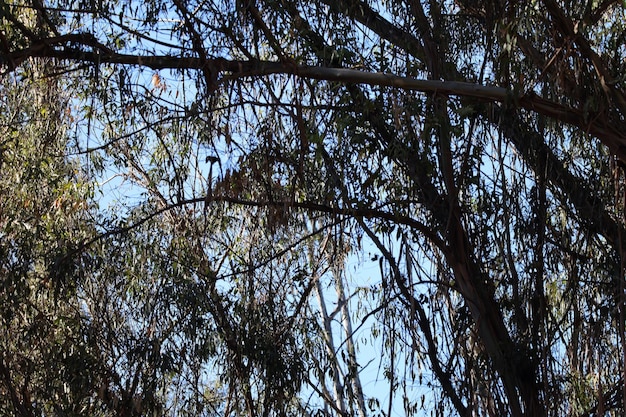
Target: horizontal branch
point(608, 131)
point(368, 213)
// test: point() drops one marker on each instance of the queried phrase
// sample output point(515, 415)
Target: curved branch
point(611, 132)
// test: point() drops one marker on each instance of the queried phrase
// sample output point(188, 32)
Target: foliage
point(44, 220)
point(185, 185)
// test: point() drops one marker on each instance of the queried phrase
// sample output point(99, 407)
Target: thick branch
point(368, 17)
point(608, 131)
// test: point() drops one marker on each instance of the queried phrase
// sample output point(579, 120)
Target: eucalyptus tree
point(44, 217)
point(477, 146)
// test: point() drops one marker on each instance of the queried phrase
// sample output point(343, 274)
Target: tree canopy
point(186, 187)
